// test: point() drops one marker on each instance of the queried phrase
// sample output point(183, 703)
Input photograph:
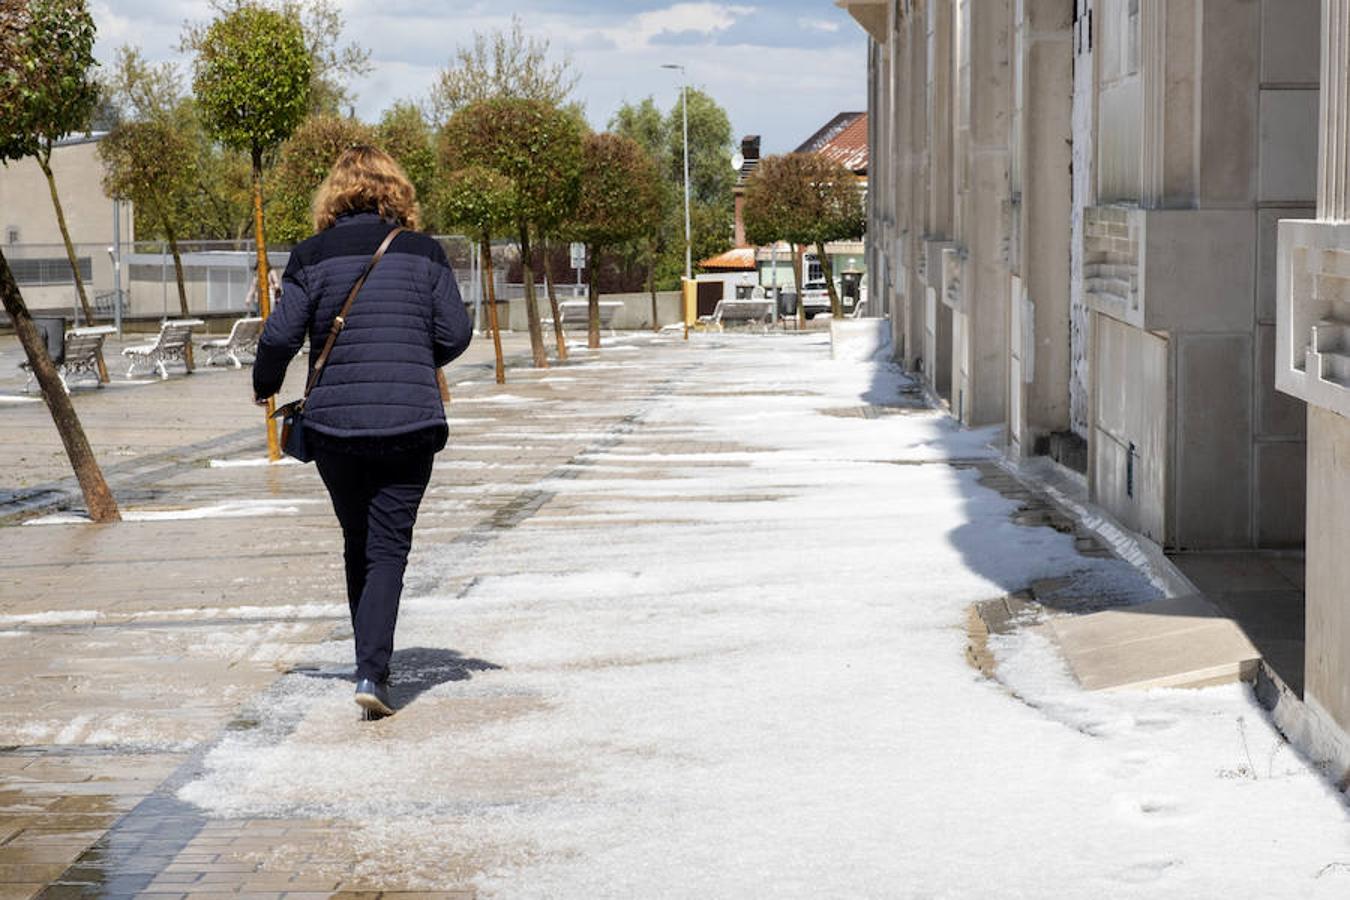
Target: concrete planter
point(859, 338)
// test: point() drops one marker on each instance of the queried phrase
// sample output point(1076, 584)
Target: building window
point(12, 234)
point(50, 270)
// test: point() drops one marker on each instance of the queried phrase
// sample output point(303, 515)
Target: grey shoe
point(374, 699)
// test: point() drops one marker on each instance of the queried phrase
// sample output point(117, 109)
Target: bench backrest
point(745, 309)
point(579, 310)
point(83, 346)
point(174, 336)
point(246, 331)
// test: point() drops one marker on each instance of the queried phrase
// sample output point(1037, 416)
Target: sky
point(781, 69)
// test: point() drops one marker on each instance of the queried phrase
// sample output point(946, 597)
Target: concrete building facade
point(1312, 364)
point(1122, 229)
point(32, 238)
point(1074, 218)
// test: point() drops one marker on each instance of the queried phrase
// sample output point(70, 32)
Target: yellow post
point(689, 288)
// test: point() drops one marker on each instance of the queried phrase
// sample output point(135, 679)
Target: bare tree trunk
point(490, 291)
point(592, 298)
point(651, 286)
point(553, 302)
point(97, 497)
point(264, 292)
point(531, 304)
point(177, 265)
point(44, 161)
point(836, 308)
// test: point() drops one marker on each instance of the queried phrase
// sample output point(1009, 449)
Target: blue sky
point(781, 68)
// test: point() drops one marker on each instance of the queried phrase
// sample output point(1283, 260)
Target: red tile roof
point(843, 139)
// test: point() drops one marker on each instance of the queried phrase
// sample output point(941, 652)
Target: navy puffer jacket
point(407, 322)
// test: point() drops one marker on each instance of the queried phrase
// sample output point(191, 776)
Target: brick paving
point(158, 632)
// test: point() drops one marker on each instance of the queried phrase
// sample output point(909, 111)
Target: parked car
point(815, 298)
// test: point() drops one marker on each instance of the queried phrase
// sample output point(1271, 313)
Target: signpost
point(578, 250)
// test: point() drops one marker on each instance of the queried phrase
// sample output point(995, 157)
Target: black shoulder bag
point(292, 415)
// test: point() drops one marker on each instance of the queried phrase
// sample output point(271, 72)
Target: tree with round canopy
point(152, 164)
point(303, 162)
point(51, 61)
point(619, 201)
point(538, 148)
point(807, 200)
point(251, 78)
point(481, 202)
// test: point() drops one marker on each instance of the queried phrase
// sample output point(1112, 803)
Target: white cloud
point(819, 25)
point(700, 18)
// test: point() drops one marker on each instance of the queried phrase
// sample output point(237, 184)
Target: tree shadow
point(415, 670)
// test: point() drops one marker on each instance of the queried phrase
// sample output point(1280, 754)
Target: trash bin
point(53, 330)
point(787, 303)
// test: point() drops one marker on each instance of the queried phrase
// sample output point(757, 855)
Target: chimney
point(750, 160)
point(750, 147)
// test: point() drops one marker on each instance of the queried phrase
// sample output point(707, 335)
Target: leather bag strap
point(340, 320)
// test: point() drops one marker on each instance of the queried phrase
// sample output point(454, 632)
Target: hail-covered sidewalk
point(683, 620)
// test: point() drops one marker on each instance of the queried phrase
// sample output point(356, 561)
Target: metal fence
point(140, 281)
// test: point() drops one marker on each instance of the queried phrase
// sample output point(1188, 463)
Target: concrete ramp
point(1177, 642)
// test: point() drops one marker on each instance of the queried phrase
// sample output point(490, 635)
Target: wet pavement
point(130, 648)
point(134, 647)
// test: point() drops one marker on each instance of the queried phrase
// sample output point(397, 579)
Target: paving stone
point(1177, 642)
point(41, 853)
point(26, 872)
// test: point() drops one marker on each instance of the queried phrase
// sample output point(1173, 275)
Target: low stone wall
point(636, 314)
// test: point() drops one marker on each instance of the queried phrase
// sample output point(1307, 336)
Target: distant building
point(843, 139)
point(32, 239)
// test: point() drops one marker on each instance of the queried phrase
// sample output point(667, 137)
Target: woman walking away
point(374, 417)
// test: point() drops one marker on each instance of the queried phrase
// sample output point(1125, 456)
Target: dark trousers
point(376, 500)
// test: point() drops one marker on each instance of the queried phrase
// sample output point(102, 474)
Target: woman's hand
point(261, 401)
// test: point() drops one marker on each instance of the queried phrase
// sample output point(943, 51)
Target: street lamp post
point(688, 240)
point(684, 109)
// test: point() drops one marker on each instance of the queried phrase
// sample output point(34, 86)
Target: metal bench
point(243, 339)
point(576, 314)
point(80, 352)
point(105, 303)
point(760, 311)
point(174, 344)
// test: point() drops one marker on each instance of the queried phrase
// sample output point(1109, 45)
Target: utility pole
point(688, 240)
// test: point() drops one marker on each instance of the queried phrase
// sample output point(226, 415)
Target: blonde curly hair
point(365, 178)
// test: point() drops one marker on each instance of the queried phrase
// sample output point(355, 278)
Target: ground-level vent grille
point(49, 270)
